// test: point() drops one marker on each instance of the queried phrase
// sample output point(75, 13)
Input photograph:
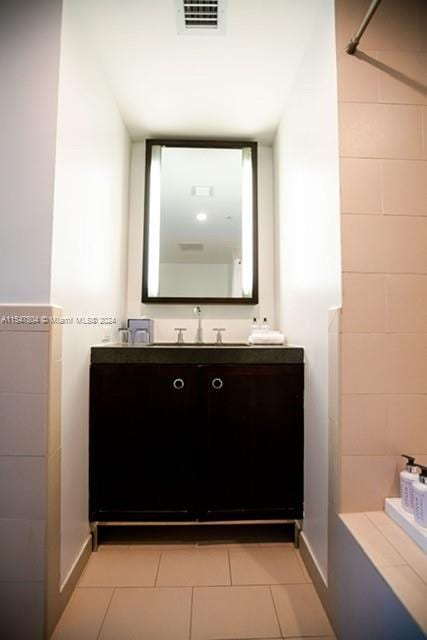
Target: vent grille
point(201, 14)
point(198, 16)
point(202, 191)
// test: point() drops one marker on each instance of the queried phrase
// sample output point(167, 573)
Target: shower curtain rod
point(352, 45)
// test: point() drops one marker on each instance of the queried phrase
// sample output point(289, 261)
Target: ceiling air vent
point(202, 191)
point(200, 17)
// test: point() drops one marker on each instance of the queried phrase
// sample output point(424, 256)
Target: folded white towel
point(266, 337)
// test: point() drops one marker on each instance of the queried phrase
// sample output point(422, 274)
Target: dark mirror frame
point(205, 144)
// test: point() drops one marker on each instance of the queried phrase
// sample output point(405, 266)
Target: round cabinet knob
point(217, 383)
point(178, 384)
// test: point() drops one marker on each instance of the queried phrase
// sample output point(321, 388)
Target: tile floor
point(194, 591)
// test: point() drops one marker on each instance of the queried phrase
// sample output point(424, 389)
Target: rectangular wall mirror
point(200, 224)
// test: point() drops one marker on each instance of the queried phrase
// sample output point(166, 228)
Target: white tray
point(394, 509)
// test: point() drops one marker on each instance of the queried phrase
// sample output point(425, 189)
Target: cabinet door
point(253, 442)
point(141, 442)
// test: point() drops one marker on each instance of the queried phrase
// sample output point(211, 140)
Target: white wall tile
point(23, 487)
point(369, 130)
point(364, 302)
point(23, 419)
point(24, 358)
point(22, 550)
point(21, 610)
point(402, 77)
point(55, 340)
point(360, 185)
point(24, 317)
point(404, 185)
point(54, 406)
point(357, 78)
point(384, 244)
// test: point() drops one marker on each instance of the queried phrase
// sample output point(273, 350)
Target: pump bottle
point(407, 478)
point(265, 326)
point(420, 497)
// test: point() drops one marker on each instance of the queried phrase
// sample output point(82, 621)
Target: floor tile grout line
point(267, 584)
point(275, 611)
point(191, 614)
point(158, 569)
point(103, 586)
point(199, 546)
point(199, 586)
point(229, 567)
point(105, 614)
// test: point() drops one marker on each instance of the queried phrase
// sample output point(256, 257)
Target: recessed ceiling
point(231, 85)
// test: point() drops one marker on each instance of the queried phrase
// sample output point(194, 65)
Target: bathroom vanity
point(186, 433)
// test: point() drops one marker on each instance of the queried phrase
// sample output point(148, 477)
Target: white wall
point(308, 248)
point(29, 63)
point(186, 278)
point(236, 318)
point(89, 250)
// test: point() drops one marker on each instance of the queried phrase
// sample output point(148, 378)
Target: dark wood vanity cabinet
point(253, 442)
point(142, 447)
point(196, 442)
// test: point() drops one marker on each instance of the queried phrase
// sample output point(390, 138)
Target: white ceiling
point(212, 86)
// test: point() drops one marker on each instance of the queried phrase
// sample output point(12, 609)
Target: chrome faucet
point(199, 334)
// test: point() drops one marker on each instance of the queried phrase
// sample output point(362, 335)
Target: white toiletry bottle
point(254, 325)
point(265, 326)
point(420, 497)
point(407, 479)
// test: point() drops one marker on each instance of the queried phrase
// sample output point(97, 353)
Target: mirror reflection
point(200, 239)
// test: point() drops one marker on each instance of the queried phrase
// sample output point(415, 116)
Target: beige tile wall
point(30, 383)
point(383, 160)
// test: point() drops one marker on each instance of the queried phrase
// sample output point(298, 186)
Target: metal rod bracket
point(352, 45)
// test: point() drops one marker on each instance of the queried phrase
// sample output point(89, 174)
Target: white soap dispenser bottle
point(420, 497)
point(407, 478)
point(265, 326)
point(254, 325)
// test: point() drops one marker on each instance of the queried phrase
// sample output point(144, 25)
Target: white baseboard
point(59, 596)
point(71, 575)
point(314, 570)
